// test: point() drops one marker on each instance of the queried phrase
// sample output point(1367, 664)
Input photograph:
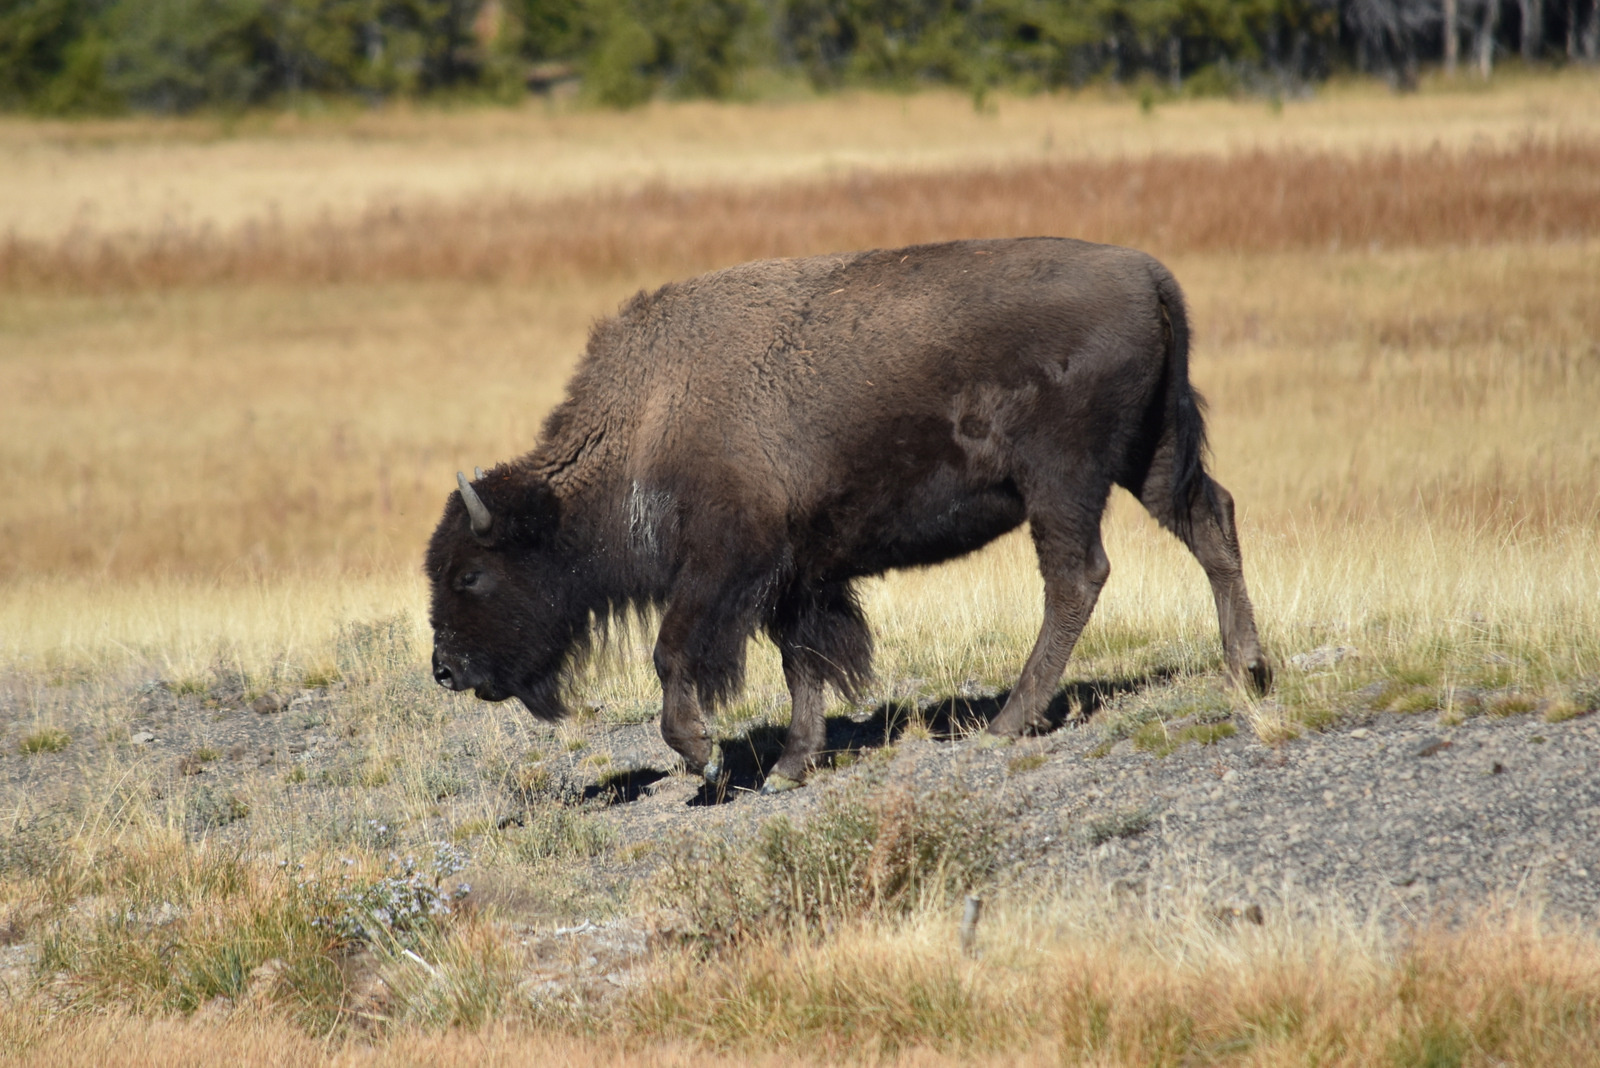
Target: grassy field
point(239, 368)
point(147, 176)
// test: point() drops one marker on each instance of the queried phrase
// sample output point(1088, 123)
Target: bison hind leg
point(822, 635)
point(1072, 561)
point(1205, 524)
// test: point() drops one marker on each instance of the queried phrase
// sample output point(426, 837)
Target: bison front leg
point(699, 654)
point(683, 725)
point(1074, 565)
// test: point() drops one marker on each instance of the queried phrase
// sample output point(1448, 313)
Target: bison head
point(506, 610)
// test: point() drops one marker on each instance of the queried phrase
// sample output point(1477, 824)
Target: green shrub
point(554, 832)
point(403, 903)
point(52, 57)
point(868, 849)
point(1513, 704)
point(1026, 763)
point(686, 47)
point(172, 56)
point(1124, 823)
point(210, 809)
point(178, 55)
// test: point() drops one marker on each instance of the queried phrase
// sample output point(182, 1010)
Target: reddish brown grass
point(1255, 202)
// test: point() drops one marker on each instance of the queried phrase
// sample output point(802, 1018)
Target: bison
point(738, 449)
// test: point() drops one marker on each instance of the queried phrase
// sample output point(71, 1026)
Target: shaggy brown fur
point(740, 447)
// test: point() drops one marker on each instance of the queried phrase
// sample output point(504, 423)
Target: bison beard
point(739, 448)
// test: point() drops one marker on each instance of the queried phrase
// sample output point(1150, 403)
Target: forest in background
point(63, 57)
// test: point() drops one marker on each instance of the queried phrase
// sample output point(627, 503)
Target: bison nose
point(444, 675)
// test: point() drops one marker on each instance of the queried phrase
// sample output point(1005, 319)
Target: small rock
point(1432, 746)
point(142, 738)
point(1324, 656)
point(1360, 732)
point(268, 704)
point(1230, 776)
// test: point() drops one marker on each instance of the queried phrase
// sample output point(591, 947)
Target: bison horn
point(481, 519)
point(477, 474)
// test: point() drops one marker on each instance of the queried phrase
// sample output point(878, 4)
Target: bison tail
point(1185, 408)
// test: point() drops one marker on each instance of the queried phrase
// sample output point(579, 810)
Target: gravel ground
point(1398, 815)
point(1392, 813)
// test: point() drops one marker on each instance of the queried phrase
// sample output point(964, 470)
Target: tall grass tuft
point(872, 848)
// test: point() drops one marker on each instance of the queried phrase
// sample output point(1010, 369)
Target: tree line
point(174, 56)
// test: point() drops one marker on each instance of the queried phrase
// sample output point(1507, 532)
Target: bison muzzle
point(736, 450)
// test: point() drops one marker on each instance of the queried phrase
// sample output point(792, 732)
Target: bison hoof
point(1257, 675)
point(778, 784)
point(713, 769)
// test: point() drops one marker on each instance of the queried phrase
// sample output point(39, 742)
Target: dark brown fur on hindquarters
point(737, 449)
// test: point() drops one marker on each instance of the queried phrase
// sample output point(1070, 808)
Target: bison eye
point(477, 583)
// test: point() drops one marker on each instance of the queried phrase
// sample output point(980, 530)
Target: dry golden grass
point(1080, 982)
point(231, 433)
point(1070, 980)
point(147, 176)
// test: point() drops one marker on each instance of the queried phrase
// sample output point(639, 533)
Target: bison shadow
point(618, 788)
point(749, 756)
